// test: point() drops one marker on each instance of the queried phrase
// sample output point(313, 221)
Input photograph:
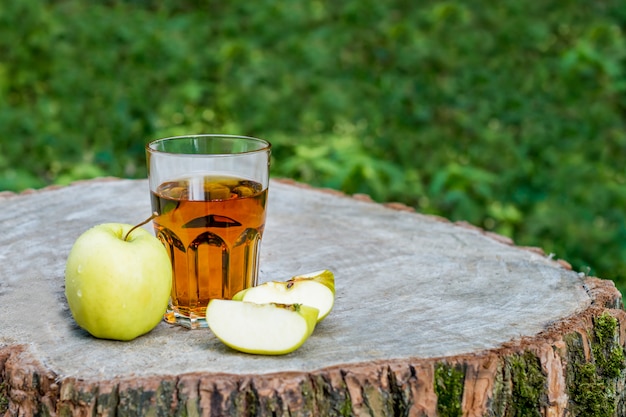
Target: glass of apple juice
point(210, 194)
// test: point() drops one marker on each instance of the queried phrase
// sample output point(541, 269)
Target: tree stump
point(431, 318)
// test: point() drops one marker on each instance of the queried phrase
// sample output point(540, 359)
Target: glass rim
point(266, 145)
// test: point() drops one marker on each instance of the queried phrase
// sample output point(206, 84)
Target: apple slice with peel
point(316, 289)
point(268, 329)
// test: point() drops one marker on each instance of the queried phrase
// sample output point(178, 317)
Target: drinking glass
point(210, 195)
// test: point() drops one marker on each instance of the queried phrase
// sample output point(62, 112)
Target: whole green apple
point(118, 279)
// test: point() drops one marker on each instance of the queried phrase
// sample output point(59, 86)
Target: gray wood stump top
point(409, 288)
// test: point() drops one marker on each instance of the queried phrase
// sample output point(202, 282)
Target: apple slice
point(316, 289)
point(268, 329)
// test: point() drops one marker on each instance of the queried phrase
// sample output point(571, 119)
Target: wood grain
point(413, 292)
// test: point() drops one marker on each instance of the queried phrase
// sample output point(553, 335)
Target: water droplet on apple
point(79, 269)
point(79, 293)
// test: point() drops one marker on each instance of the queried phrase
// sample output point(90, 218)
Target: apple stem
point(154, 214)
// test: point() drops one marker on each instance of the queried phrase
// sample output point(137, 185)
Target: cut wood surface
point(419, 300)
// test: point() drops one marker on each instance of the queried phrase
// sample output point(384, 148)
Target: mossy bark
point(449, 389)
point(595, 369)
point(520, 387)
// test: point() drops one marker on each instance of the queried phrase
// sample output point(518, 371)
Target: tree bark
point(432, 318)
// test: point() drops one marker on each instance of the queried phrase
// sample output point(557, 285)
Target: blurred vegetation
point(510, 115)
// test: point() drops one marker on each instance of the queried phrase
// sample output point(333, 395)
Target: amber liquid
point(212, 228)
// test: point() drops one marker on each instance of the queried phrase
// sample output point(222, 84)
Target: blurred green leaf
point(506, 114)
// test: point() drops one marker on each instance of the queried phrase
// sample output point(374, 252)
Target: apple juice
point(212, 228)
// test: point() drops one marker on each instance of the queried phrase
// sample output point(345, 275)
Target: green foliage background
point(510, 115)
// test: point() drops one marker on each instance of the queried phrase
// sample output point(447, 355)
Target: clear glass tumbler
point(210, 194)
